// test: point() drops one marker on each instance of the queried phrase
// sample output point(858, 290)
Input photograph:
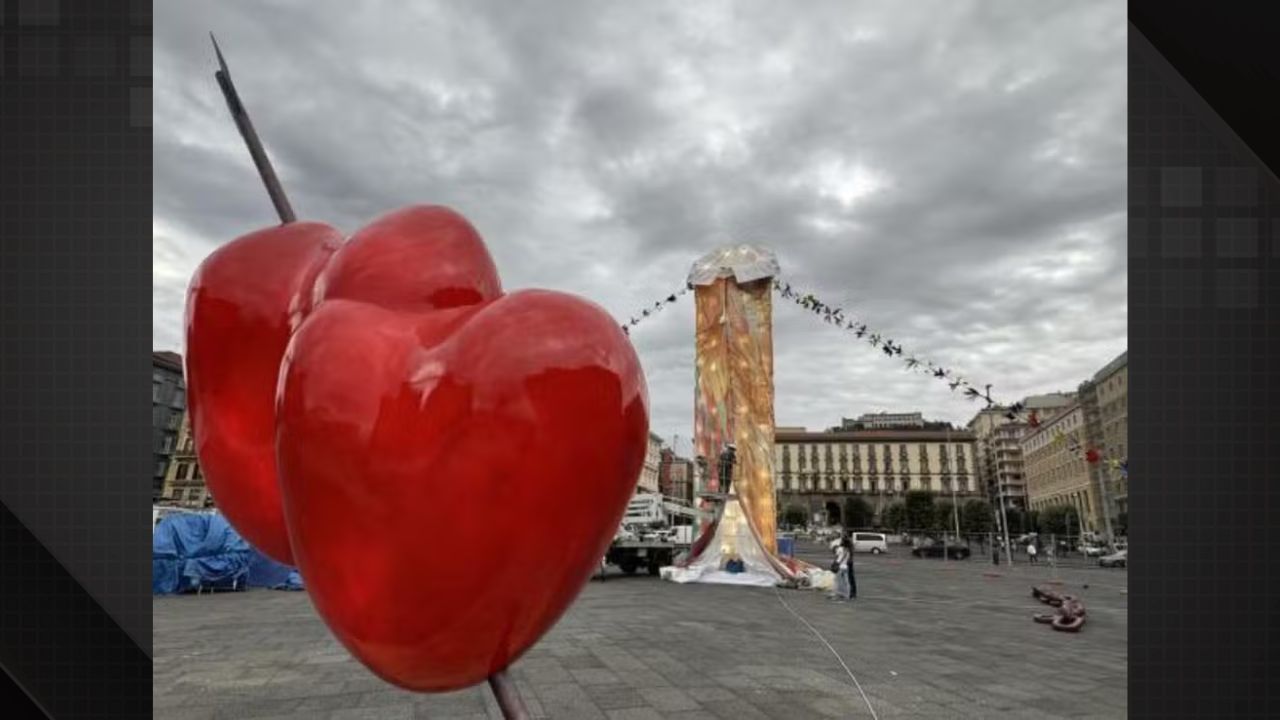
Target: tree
point(1017, 521)
point(1053, 520)
point(1033, 521)
point(795, 515)
point(857, 513)
point(920, 511)
point(975, 517)
point(895, 517)
point(944, 516)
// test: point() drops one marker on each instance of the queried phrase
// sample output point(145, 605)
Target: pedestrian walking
point(1031, 551)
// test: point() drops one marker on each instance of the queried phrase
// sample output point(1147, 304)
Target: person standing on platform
point(727, 458)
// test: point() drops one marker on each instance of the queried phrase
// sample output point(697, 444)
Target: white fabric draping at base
point(733, 539)
point(717, 577)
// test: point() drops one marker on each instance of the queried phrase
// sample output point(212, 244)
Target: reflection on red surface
point(454, 461)
point(243, 303)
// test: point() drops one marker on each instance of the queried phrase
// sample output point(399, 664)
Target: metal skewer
point(245, 126)
point(504, 690)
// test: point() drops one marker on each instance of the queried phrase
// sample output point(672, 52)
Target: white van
point(867, 542)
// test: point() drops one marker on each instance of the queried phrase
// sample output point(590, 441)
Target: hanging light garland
point(655, 308)
point(836, 316)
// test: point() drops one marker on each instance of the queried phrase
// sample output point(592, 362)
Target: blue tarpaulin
point(267, 573)
point(190, 551)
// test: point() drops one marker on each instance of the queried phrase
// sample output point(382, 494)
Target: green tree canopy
point(944, 516)
point(895, 517)
point(1017, 521)
point(976, 517)
point(1060, 520)
point(920, 511)
point(857, 513)
point(1033, 521)
point(795, 515)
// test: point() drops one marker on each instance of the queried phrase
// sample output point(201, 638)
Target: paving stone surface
point(924, 639)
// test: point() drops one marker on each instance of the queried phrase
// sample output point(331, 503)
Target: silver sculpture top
point(744, 263)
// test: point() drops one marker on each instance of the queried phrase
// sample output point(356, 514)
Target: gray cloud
point(952, 171)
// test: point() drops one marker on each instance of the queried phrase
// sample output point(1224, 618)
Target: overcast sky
point(952, 171)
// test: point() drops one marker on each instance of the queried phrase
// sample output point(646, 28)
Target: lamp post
point(955, 509)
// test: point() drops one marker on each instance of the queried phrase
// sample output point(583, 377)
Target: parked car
point(1093, 550)
point(1117, 559)
point(934, 549)
point(874, 543)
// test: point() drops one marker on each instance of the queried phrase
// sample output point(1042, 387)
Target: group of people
point(842, 565)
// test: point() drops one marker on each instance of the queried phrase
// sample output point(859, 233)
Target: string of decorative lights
point(655, 308)
point(838, 317)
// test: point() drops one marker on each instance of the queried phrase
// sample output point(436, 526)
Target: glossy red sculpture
point(454, 461)
point(243, 304)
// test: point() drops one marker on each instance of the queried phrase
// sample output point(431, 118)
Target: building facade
point(999, 446)
point(818, 470)
point(1056, 470)
point(883, 421)
point(1105, 400)
point(675, 476)
point(183, 482)
point(680, 480)
point(648, 481)
point(168, 405)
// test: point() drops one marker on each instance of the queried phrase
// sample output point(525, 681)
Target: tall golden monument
point(733, 400)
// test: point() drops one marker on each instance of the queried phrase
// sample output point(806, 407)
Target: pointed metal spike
point(256, 151)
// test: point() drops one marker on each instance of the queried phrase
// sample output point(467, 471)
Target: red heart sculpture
point(243, 303)
point(454, 461)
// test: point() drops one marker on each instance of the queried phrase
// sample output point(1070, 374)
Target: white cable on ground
point(833, 652)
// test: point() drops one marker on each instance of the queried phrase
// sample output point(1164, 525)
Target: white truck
point(654, 530)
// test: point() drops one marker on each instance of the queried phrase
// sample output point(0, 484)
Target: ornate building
point(183, 482)
point(648, 480)
point(1104, 398)
point(999, 446)
point(168, 404)
point(1056, 470)
point(817, 470)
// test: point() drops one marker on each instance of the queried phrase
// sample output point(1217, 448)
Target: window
point(179, 398)
point(155, 390)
